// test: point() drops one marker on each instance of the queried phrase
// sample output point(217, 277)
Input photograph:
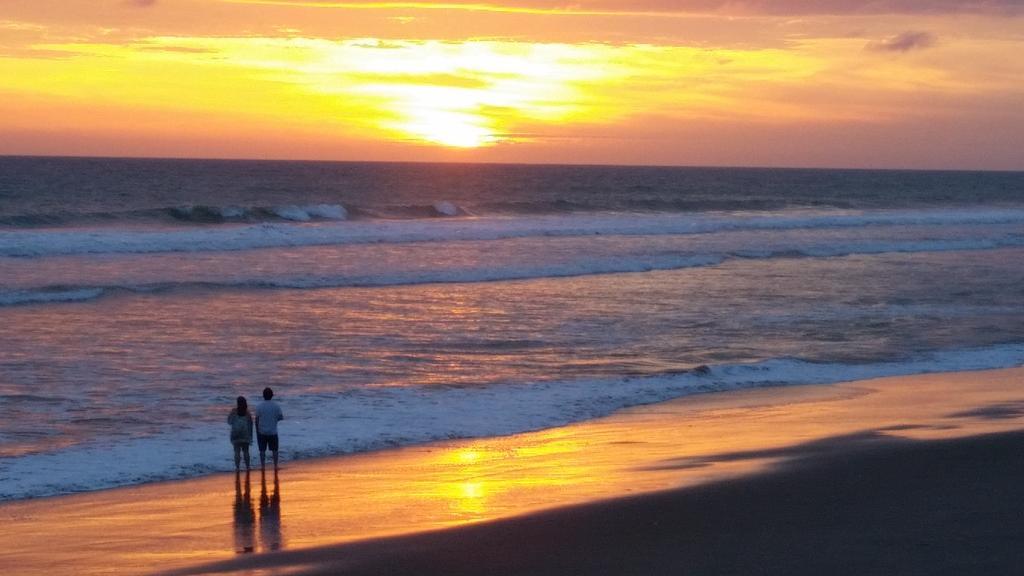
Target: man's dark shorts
point(265, 440)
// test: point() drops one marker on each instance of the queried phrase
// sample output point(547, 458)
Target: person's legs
point(238, 450)
point(272, 442)
point(245, 452)
point(261, 441)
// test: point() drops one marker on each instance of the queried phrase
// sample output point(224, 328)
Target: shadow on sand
point(245, 533)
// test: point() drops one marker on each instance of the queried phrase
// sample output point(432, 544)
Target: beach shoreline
point(900, 507)
point(321, 514)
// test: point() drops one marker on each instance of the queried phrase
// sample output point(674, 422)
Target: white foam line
point(362, 420)
point(49, 242)
point(594, 266)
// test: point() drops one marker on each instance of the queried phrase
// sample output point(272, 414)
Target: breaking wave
point(498, 271)
point(309, 228)
point(199, 214)
point(405, 416)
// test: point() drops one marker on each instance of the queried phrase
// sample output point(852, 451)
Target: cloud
point(180, 49)
point(37, 53)
point(904, 42)
point(802, 7)
point(18, 26)
point(732, 7)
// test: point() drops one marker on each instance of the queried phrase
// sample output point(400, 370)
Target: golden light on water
point(467, 456)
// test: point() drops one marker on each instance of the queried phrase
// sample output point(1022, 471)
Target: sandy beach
point(902, 507)
point(910, 475)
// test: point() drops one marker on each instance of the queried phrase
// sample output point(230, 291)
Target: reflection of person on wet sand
point(270, 515)
point(245, 517)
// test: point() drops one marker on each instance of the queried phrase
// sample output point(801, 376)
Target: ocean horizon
point(312, 160)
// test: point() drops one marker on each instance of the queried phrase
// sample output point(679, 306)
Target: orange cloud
point(624, 7)
point(903, 42)
point(462, 94)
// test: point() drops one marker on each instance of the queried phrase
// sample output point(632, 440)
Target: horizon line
point(510, 163)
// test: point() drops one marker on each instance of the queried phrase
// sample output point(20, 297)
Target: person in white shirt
point(268, 414)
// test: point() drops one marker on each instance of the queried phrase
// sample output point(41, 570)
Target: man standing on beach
point(268, 413)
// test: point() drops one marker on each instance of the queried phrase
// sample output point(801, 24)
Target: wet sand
point(898, 508)
point(867, 477)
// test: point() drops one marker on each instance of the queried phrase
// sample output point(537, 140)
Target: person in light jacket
point(240, 421)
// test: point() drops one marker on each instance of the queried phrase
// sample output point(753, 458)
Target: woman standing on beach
point(241, 430)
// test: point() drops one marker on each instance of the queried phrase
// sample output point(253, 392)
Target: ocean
point(392, 304)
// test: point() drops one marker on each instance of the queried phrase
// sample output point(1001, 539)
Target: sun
point(471, 94)
point(446, 116)
point(452, 129)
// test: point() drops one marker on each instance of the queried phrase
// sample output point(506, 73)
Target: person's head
point(243, 406)
point(268, 393)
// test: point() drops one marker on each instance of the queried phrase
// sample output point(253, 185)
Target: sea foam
point(374, 419)
point(210, 273)
point(51, 242)
point(307, 213)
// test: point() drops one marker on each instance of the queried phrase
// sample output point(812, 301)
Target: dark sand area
point(862, 504)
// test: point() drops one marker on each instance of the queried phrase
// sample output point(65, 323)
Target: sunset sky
point(843, 83)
